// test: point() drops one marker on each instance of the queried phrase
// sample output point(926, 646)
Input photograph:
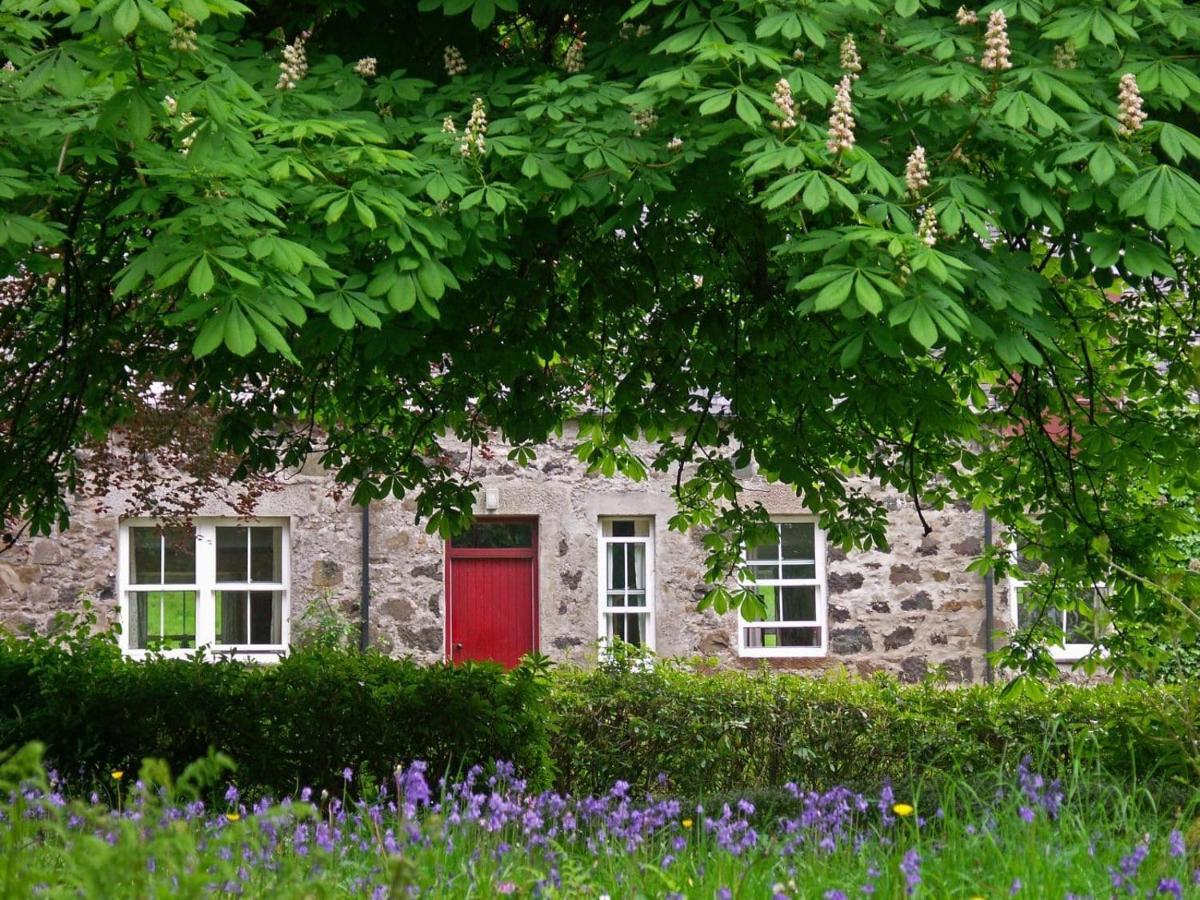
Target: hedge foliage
point(742, 731)
point(295, 724)
point(302, 721)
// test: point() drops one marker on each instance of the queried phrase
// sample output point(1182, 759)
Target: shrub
point(739, 731)
point(294, 724)
point(300, 722)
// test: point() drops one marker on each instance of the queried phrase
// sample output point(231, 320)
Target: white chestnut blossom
point(186, 121)
point(850, 61)
point(448, 126)
point(453, 61)
point(1064, 57)
point(366, 67)
point(841, 119)
point(183, 35)
point(294, 65)
point(573, 58)
point(927, 231)
point(996, 55)
point(675, 144)
point(966, 16)
point(171, 105)
point(785, 103)
point(1131, 115)
point(643, 120)
point(916, 171)
point(473, 143)
point(8, 66)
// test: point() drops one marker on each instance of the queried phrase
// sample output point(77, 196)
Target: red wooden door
point(491, 591)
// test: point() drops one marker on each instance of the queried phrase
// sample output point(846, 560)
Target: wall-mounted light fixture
point(491, 499)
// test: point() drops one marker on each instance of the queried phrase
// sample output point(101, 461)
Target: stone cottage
point(558, 561)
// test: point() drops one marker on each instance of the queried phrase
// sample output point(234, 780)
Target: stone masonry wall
point(902, 611)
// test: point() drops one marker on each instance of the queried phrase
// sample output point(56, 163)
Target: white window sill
point(1072, 652)
point(783, 652)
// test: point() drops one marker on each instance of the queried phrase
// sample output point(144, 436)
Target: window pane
point(139, 619)
point(625, 527)
point(494, 535)
point(764, 551)
point(770, 601)
point(145, 555)
point(246, 618)
point(765, 573)
point(783, 637)
point(266, 617)
point(635, 559)
point(266, 554)
point(231, 553)
point(616, 601)
point(162, 620)
point(629, 627)
point(616, 567)
point(799, 604)
point(179, 563)
point(799, 540)
point(796, 572)
point(1076, 629)
point(231, 617)
point(638, 599)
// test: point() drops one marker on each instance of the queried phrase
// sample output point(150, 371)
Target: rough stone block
point(919, 600)
point(326, 573)
point(901, 637)
point(845, 641)
point(841, 582)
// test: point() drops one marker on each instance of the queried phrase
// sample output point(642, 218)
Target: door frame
point(531, 553)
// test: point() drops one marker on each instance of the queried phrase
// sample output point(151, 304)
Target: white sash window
point(789, 578)
point(626, 567)
point(220, 584)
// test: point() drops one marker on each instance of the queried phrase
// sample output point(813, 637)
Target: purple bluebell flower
point(1175, 845)
point(1015, 887)
point(1026, 814)
point(910, 866)
point(1171, 887)
point(835, 894)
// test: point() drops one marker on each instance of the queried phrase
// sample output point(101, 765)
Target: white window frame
point(602, 545)
point(1063, 652)
point(206, 586)
point(819, 581)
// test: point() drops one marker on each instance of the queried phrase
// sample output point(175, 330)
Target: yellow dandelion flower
point(118, 774)
point(902, 809)
point(232, 817)
point(687, 823)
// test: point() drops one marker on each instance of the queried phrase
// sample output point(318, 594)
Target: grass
point(1011, 833)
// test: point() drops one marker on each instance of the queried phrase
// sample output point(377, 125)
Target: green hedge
point(297, 723)
point(741, 731)
point(300, 722)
